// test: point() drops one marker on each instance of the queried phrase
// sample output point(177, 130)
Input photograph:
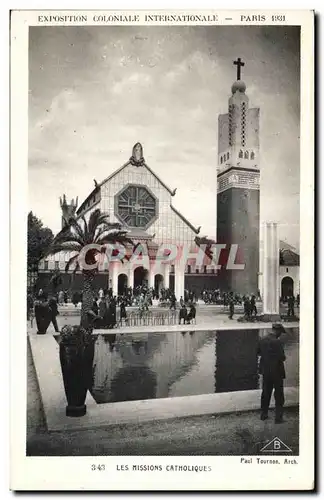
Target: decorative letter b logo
point(276, 445)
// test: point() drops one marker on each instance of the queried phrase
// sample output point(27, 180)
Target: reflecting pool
point(159, 365)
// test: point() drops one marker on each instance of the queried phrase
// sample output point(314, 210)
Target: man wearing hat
point(272, 369)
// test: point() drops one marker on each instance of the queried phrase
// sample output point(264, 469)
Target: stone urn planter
point(42, 315)
point(76, 357)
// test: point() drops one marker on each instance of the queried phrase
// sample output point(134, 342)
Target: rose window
point(136, 206)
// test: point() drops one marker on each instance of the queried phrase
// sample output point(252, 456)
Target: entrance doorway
point(287, 287)
point(158, 284)
point(140, 277)
point(122, 284)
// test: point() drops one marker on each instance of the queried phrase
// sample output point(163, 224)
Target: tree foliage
point(78, 234)
point(75, 237)
point(39, 239)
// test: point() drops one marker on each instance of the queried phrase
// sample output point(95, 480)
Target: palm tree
point(75, 237)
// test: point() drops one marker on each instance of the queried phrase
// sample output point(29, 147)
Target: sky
point(96, 91)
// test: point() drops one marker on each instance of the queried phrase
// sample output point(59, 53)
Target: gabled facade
point(137, 198)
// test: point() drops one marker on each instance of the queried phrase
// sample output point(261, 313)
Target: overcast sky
point(95, 91)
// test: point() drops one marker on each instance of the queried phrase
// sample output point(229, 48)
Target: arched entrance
point(158, 284)
point(287, 287)
point(140, 277)
point(122, 284)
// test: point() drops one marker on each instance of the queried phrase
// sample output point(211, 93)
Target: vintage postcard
point(162, 178)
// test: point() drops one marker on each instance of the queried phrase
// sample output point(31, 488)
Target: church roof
point(83, 204)
point(182, 217)
point(172, 192)
point(285, 246)
point(288, 258)
point(111, 176)
point(138, 160)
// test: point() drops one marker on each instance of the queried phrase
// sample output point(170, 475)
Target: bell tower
point(238, 188)
point(68, 209)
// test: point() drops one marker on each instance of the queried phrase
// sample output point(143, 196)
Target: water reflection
point(133, 382)
point(159, 365)
point(236, 360)
point(111, 340)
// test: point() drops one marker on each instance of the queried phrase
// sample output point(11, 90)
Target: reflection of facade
point(106, 364)
point(154, 363)
point(236, 360)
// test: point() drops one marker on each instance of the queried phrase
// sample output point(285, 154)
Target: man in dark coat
point(272, 369)
point(183, 314)
point(123, 312)
point(173, 302)
point(192, 313)
point(247, 308)
point(253, 306)
point(112, 312)
point(95, 307)
point(231, 305)
point(102, 312)
point(54, 312)
point(291, 304)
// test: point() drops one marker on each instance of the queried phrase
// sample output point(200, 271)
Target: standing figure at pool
point(272, 369)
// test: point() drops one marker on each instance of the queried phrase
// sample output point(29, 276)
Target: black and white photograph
point(163, 215)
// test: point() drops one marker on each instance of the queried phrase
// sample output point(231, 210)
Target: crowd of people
point(248, 302)
point(216, 296)
point(105, 303)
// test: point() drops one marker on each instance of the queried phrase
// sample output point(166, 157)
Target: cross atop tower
point(239, 64)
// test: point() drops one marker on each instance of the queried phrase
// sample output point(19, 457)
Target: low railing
point(147, 318)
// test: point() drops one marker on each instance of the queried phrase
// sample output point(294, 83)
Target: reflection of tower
point(236, 360)
point(238, 188)
point(68, 209)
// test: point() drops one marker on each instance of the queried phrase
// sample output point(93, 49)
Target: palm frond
point(114, 237)
point(103, 219)
point(85, 228)
point(106, 229)
point(77, 267)
point(68, 238)
point(71, 261)
point(76, 226)
point(94, 219)
point(63, 247)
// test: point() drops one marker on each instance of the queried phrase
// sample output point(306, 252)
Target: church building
point(136, 197)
